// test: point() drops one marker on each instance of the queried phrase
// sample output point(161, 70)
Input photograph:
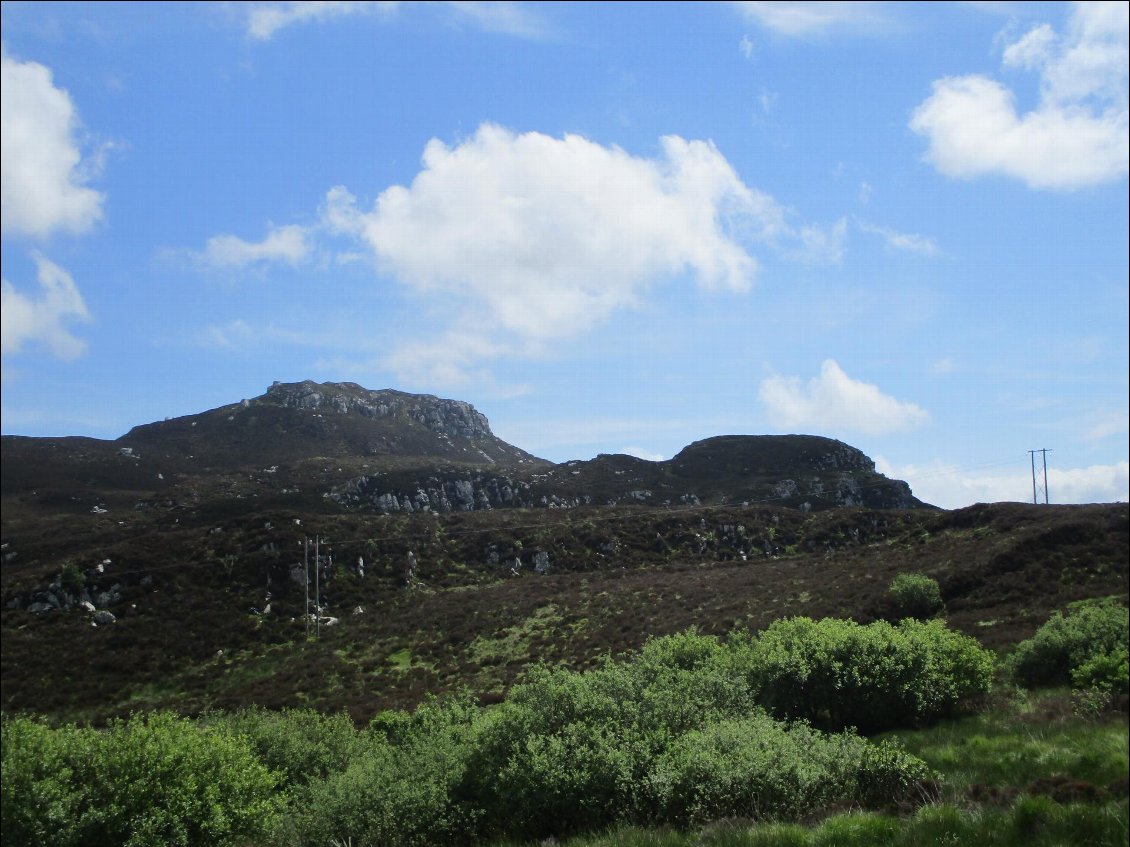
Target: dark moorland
point(451, 559)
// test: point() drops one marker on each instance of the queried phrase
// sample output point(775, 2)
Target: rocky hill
point(315, 446)
point(169, 566)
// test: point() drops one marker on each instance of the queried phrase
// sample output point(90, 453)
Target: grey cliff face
point(453, 418)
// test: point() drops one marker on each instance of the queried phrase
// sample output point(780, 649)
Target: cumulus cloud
point(800, 19)
point(953, 487)
point(43, 320)
point(532, 239)
point(908, 241)
point(42, 187)
point(1078, 135)
point(264, 20)
point(834, 402)
point(287, 244)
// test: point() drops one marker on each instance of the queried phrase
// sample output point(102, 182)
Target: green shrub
point(301, 745)
point(759, 768)
point(560, 754)
point(154, 780)
point(1068, 642)
point(39, 800)
point(72, 579)
point(836, 673)
point(1108, 672)
point(915, 595)
point(401, 787)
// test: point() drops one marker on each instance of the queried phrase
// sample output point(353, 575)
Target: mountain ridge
point(393, 451)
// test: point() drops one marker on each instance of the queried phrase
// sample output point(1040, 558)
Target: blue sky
point(610, 227)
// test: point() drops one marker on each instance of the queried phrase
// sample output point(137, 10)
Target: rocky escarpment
point(808, 473)
point(452, 418)
point(469, 493)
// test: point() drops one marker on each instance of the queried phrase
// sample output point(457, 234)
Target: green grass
point(1024, 739)
point(1028, 822)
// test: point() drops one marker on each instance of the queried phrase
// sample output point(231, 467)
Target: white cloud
point(953, 487)
point(287, 244)
point(532, 239)
point(1079, 134)
point(1031, 51)
point(824, 244)
point(25, 320)
point(643, 453)
point(834, 402)
point(502, 17)
point(800, 19)
point(264, 20)
point(42, 186)
point(943, 367)
point(911, 242)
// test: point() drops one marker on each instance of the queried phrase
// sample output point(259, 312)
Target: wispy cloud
point(287, 244)
point(908, 241)
point(43, 320)
point(1079, 134)
point(805, 19)
point(834, 402)
point(265, 20)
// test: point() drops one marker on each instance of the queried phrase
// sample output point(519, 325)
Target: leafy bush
point(153, 780)
point(837, 673)
point(302, 745)
point(914, 595)
point(759, 768)
point(40, 800)
point(401, 787)
point(1068, 642)
point(1107, 671)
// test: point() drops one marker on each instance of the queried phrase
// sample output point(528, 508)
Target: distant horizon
point(612, 228)
point(569, 459)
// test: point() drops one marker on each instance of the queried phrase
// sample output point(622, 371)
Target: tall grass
point(1028, 822)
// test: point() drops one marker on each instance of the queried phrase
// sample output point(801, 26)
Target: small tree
point(73, 579)
point(915, 595)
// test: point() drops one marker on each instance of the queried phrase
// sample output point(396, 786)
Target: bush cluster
point(837, 673)
point(692, 729)
point(914, 595)
point(1086, 647)
point(154, 780)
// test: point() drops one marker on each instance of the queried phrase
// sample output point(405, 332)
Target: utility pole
point(306, 561)
point(317, 588)
point(1043, 451)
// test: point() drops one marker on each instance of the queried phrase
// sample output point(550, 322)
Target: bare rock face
point(453, 418)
